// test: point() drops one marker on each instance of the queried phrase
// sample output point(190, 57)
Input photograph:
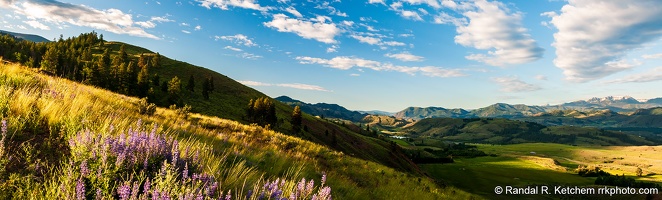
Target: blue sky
point(383, 54)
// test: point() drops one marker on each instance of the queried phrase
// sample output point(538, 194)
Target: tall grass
point(70, 141)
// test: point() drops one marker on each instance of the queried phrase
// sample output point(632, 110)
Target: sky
point(386, 54)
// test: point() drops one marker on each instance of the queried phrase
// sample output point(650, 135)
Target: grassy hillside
point(230, 98)
point(504, 131)
point(64, 140)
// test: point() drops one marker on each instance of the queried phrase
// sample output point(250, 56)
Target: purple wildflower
point(135, 190)
point(99, 196)
point(185, 172)
point(310, 187)
point(80, 189)
point(323, 178)
point(4, 128)
point(84, 171)
point(229, 195)
point(250, 193)
point(147, 186)
point(124, 191)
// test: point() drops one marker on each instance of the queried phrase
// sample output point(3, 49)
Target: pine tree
point(211, 84)
point(296, 119)
point(164, 86)
point(191, 84)
point(156, 60)
point(155, 79)
point(174, 89)
point(205, 89)
point(250, 111)
point(143, 81)
point(49, 60)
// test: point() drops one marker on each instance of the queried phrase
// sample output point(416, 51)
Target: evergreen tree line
point(85, 59)
point(261, 111)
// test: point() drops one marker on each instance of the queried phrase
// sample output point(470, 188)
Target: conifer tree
point(191, 84)
point(205, 89)
point(296, 119)
point(49, 60)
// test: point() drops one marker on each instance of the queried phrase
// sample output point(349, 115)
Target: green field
point(551, 164)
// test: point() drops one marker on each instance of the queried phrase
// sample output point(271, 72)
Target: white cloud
point(112, 20)
point(185, 31)
point(146, 24)
point(431, 3)
point(36, 24)
point(405, 56)
point(406, 35)
point(354, 74)
point(493, 27)
point(150, 23)
point(333, 48)
point(650, 76)
point(294, 12)
point(250, 56)
point(299, 86)
point(345, 63)
point(367, 39)
point(594, 35)
point(184, 24)
point(445, 18)
point(376, 1)
point(238, 39)
point(232, 48)
point(541, 77)
point(316, 28)
point(514, 84)
point(198, 27)
point(652, 56)
point(223, 4)
point(348, 23)
point(393, 43)
point(408, 14)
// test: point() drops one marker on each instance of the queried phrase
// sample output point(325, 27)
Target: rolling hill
point(29, 37)
point(505, 131)
point(323, 109)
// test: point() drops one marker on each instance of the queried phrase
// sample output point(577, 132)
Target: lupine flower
point(185, 172)
point(250, 193)
point(323, 178)
point(229, 195)
point(124, 191)
point(98, 194)
point(84, 171)
point(80, 189)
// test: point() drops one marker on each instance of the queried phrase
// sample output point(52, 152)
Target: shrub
point(146, 108)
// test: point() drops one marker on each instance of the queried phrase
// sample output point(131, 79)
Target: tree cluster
point(261, 111)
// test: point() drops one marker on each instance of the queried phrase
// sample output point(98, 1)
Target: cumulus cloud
point(198, 27)
point(405, 56)
point(593, 36)
point(36, 24)
point(345, 63)
point(315, 28)
point(240, 39)
point(333, 48)
point(431, 3)
point(491, 26)
point(299, 86)
point(112, 20)
point(514, 84)
point(650, 76)
point(541, 77)
point(224, 4)
point(376, 1)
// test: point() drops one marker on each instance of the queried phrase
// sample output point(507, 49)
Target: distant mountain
point(430, 112)
point(655, 101)
point(585, 108)
point(376, 112)
point(503, 110)
point(29, 37)
point(324, 109)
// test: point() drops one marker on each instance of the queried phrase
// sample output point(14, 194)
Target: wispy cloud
point(112, 20)
point(299, 86)
point(594, 35)
point(652, 56)
point(240, 39)
point(225, 4)
point(315, 28)
point(514, 84)
point(649, 76)
point(345, 63)
point(38, 25)
point(232, 48)
point(405, 56)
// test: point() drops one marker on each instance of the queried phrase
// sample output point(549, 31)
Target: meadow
point(65, 140)
point(545, 164)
